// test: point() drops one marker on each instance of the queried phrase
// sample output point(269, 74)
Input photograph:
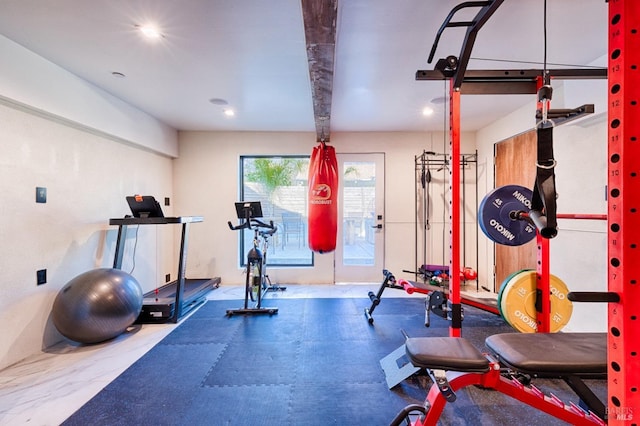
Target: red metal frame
point(492, 379)
point(584, 216)
point(578, 216)
point(623, 218)
point(479, 305)
point(454, 205)
point(410, 289)
point(543, 273)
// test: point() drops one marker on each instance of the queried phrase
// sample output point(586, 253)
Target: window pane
point(280, 184)
point(359, 201)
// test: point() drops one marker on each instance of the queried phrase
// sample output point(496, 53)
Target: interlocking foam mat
point(315, 362)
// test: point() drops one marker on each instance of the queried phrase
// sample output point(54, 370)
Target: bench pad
point(446, 353)
point(552, 354)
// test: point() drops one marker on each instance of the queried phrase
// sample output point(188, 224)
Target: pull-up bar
point(490, 82)
point(459, 66)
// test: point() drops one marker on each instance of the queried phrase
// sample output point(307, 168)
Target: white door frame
point(372, 227)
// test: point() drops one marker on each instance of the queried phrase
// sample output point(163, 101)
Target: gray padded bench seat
point(446, 353)
point(542, 354)
point(552, 354)
point(454, 363)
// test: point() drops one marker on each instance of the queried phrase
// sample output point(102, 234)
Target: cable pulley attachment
point(543, 200)
point(544, 97)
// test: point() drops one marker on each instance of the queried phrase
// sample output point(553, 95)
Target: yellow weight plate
point(518, 303)
point(503, 286)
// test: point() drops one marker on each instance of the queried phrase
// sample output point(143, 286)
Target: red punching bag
point(323, 199)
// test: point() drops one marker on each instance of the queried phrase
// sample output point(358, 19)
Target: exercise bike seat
point(552, 354)
point(446, 353)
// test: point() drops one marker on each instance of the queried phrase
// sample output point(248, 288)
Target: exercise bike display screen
point(254, 208)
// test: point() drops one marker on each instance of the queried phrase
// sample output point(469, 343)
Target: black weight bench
point(454, 363)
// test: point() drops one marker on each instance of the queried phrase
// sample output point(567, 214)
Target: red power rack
point(454, 210)
point(624, 212)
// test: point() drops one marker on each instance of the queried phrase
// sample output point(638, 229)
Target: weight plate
point(494, 215)
point(480, 214)
point(504, 285)
point(518, 303)
point(501, 302)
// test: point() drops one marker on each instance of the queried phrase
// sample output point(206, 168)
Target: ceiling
point(252, 54)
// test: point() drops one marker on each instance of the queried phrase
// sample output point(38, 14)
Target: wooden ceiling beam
point(320, 18)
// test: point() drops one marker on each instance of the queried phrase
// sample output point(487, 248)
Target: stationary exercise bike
point(257, 282)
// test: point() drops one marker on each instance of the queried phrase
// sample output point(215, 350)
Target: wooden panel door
point(515, 164)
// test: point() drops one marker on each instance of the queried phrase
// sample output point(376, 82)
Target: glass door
point(360, 244)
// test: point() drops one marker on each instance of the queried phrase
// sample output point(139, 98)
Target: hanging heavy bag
point(323, 199)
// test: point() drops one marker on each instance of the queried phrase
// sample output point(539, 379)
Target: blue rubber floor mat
point(316, 362)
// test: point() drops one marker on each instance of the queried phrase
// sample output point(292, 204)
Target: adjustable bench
point(454, 363)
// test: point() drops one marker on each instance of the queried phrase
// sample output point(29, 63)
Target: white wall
point(89, 150)
point(87, 178)
point(30, 80)
point(206, 183)
point(579, 252)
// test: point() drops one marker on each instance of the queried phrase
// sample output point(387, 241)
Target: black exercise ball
point(97, 305)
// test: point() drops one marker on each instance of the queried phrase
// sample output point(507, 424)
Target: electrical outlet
point(41, 276)
point(167, 278)
point(167, 202)
point(41, 194)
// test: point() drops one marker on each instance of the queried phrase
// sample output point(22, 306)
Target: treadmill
point(175, 299)
point(159, 305)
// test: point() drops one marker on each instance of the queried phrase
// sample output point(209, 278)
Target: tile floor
point(47, 388)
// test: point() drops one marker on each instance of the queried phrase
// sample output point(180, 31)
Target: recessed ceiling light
point(229, 112)
point(218, 101)
point(117, 74)
point(439, 100)
point(427, 111)
point(150, 31)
